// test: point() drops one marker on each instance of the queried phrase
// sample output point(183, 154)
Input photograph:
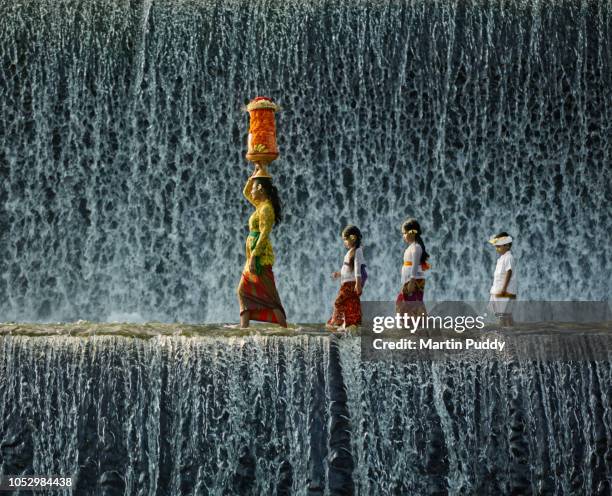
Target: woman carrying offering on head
point(257, 294)
point(410, 299)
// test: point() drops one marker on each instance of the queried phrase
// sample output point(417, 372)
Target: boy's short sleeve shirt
point(505, 263)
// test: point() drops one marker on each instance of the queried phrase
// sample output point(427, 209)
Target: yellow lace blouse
point(261, 220)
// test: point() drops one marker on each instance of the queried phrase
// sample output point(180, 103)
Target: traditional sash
point(424, 266)
point(255, 237)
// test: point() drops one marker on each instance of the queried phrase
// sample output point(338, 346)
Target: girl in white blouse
point(413, 270)
point(347, 307)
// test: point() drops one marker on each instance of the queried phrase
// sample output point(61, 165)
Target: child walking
point(347, 307)
point(505, 283)
point(410, 299)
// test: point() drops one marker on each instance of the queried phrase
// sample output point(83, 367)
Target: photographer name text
point(432, 344)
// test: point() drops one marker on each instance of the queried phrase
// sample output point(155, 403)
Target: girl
point(410, 298)
point(347, 307)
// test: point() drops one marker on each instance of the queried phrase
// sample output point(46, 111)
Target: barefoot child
point(347, 307)
point(410, 299)
point(504, 288)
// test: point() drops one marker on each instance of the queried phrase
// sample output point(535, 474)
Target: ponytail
point(424, 254)
point(276, 204)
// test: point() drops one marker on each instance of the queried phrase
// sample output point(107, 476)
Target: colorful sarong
point(257, 294)
point(412, 303)
point(347, 307)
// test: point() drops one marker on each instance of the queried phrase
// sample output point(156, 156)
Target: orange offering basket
point(261, 144)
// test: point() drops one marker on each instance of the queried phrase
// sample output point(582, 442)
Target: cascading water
point(168, 415)
point(122, 146)
point(122, 143)
point(494, 426)
point(160, 415)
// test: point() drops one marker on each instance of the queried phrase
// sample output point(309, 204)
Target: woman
point(257, 293)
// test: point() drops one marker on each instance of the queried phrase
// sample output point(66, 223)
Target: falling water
point(301, 415)
point(140, 58)
point(122, 145)
point(167, 415)
point(479, 426)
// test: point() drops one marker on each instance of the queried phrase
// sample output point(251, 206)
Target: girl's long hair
point(272, 194)
point(348, 231)
point(412, 224)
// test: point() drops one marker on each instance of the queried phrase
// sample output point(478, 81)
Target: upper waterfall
point(473, 117)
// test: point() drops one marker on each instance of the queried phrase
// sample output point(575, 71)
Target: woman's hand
point(358, 287)
point(252, 267)
point(335, 275)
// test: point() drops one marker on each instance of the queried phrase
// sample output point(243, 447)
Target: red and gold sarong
point(347, 307)
point(257, 294)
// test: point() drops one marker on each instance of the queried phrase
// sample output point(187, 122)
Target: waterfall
point(122, 144)
point(140, 58)
point(479, 427)
point(167, 415)
point(303, 415)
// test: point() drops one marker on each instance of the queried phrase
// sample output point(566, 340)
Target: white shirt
point(505, 263)
point(348, 275)
point(411, 268)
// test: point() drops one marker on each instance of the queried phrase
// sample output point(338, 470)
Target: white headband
point(504, 240)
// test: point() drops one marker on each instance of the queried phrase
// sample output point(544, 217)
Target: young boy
point(505, 284)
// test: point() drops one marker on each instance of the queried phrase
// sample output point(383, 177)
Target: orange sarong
point(257, 294)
